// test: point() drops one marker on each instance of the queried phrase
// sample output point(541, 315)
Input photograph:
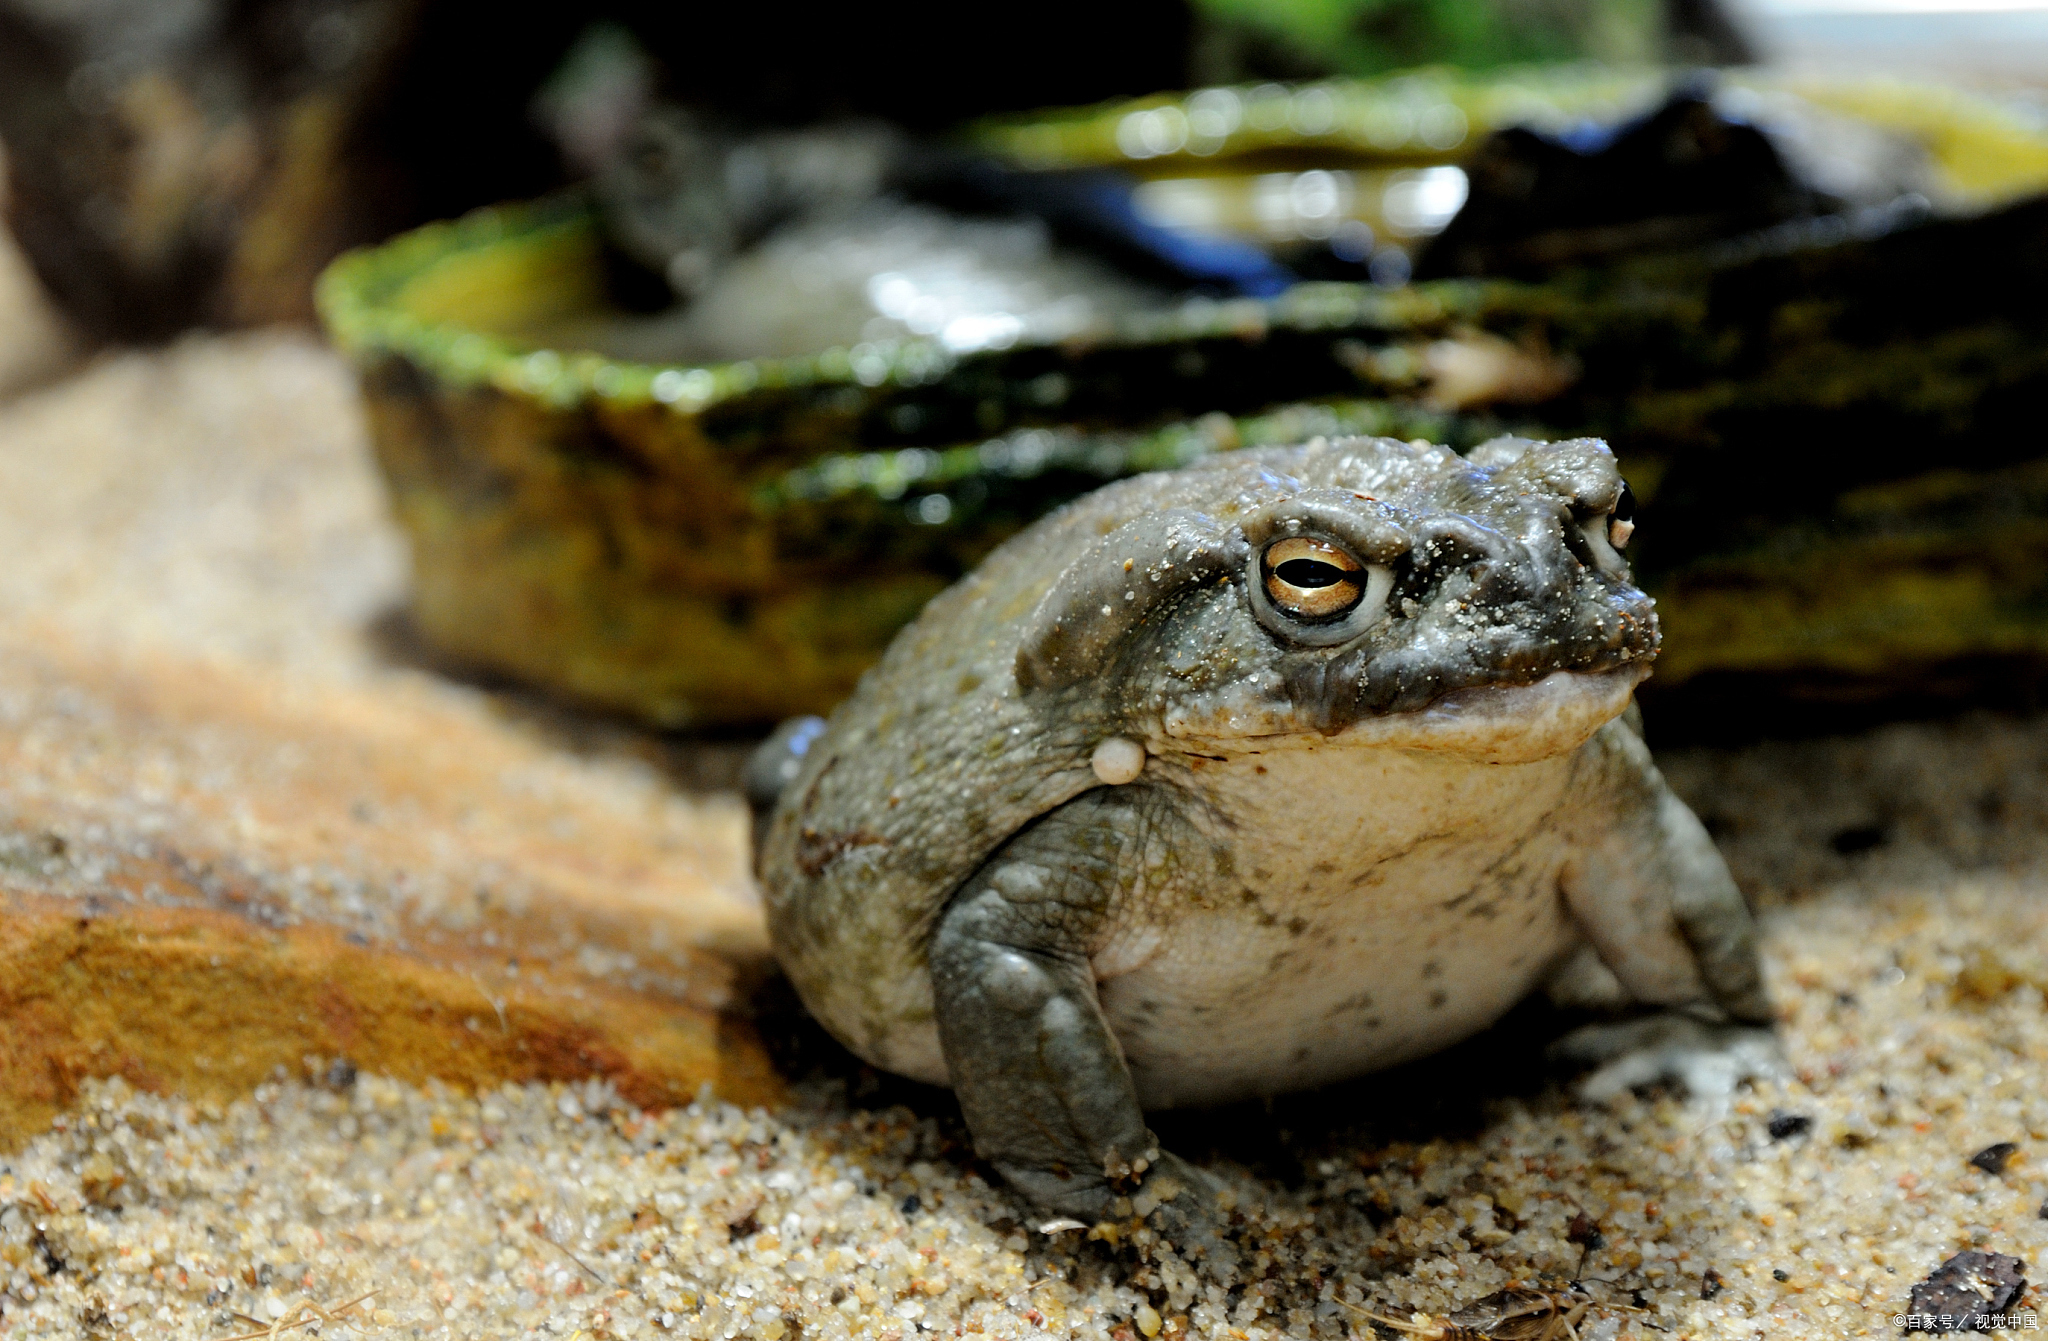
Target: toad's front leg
point(1668, 929)
point(1040, 1077)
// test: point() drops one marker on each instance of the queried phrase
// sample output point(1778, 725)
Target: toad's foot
point(1190, 1210)
point(1183, 1207)
point(1708, 1059)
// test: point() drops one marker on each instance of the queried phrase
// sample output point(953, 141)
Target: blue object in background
point(1095, 210)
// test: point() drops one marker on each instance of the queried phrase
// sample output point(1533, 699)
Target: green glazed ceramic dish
point(731, 544)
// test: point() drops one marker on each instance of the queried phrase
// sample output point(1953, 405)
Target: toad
point(1288, 766)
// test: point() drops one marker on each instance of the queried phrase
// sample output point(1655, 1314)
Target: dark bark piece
point(1993, 1158)
point(1964, 1293)
point(1784, 1125)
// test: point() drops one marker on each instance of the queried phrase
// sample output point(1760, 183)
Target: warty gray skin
point(1350, 838)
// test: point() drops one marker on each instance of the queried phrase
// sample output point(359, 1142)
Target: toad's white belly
point(1374, 906)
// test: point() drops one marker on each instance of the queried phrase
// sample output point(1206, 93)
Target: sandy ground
point(208, 513)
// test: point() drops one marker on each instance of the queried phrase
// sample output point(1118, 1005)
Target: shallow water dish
point(733, 543)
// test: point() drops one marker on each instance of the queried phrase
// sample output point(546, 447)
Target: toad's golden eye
point(1312, 579)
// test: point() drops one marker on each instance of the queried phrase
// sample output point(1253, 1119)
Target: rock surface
point(236, 830)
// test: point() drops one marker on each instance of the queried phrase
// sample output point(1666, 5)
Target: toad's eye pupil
point(1310, 573)
point(1625, 504)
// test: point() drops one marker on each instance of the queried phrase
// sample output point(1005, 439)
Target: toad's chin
point(1510, 724)
point(1504, 724)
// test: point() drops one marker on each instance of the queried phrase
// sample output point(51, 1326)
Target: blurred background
point(761, 326)
point(197, 161)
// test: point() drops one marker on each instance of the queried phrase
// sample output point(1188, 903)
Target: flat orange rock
point(238, 832)
point(209, 1005)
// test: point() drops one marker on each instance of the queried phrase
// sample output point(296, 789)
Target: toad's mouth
point(1492, 724)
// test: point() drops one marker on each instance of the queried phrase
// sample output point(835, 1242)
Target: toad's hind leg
point(1040, 1077)
point(1670, 930)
